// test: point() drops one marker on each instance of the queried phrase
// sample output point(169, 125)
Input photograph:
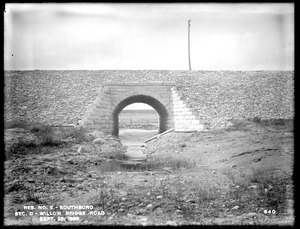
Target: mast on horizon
point(189, 25)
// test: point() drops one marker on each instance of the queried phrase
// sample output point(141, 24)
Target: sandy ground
point(222, 158)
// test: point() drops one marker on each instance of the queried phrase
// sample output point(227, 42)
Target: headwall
point(104, 112)
point(63, 97)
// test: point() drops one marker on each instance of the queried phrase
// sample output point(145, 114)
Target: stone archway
point(158, 106)
point(174, 112)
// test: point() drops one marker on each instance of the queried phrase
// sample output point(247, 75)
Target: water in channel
point(134, 140)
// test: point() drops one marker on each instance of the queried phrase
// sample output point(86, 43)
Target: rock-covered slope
point(61, 97)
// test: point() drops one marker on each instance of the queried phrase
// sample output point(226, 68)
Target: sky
point(108, 36)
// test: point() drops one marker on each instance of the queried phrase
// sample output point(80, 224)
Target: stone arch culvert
point(173, 110)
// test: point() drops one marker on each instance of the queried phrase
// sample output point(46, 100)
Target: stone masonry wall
point(159, 92)
point(104, 111)
point(62, 97)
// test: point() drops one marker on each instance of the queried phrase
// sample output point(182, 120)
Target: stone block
point(98, 119)
point(184, 122)
point(185, 117)
point(179, 105)
point(182, 110)
point(96, 126)
point(183, 113)
point(195, 122)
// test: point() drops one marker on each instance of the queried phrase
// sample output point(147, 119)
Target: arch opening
point(138, 116)
point(158, 106)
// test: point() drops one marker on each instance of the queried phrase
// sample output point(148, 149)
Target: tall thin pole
point(189, 25)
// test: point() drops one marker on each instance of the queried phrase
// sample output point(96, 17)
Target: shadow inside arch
point(157, 105)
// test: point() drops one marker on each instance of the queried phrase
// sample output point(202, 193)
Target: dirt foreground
point(239, 175)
